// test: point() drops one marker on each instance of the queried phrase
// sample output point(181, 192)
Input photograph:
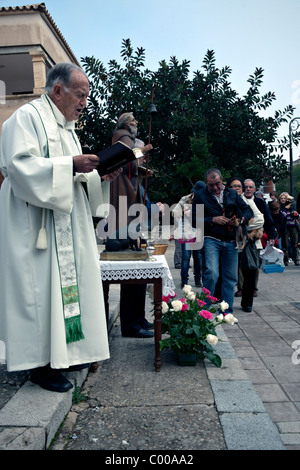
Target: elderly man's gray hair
point(213, 171)
point(61, 73)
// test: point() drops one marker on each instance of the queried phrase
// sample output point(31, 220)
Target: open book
point(114, 157)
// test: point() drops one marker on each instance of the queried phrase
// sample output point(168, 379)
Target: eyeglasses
point(236, 186)
point(249, 187)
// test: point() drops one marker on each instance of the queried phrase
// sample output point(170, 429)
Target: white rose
point(220, 317)
point(212, 339)
point(177, 305)
point(164, 307)
point(223, 305)
point(191, 296)
point(186, 289)
point(229, 318)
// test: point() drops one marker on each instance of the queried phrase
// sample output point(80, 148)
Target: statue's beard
point(133, 131)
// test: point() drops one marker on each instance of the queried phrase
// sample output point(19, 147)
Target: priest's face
point(72, 100)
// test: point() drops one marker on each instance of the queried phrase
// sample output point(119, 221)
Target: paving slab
point(236, 396)
point(263, 436)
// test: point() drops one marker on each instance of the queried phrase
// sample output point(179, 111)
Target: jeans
point(214, 249)
point(177, 254)
point(185, 264)
point(290, 232)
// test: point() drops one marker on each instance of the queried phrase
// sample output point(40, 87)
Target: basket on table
point(160, 248)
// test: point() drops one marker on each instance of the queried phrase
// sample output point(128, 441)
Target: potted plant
point(190, 323)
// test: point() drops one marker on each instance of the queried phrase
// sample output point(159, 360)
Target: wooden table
point(141, 272)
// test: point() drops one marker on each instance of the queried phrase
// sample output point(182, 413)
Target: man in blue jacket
point(219, 235)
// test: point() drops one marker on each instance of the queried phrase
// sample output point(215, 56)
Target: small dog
point(233, 213)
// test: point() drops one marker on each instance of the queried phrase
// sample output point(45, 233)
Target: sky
point(244, 34)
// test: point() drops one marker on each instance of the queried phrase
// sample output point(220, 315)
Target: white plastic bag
point(271, 255)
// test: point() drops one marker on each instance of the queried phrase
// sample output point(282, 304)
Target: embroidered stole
point(63, 233)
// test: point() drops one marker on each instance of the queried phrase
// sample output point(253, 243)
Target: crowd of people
point(52, 313)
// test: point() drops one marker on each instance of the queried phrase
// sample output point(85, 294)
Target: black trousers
point(248, 287)
point(132, 307)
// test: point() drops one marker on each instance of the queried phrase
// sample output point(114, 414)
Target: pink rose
point(184, 304)
point(206, 314)
point(205, 291)
point(201, 303)
point(166, 298)
point(212, 299)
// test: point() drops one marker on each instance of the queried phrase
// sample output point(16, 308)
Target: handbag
point(249, 257)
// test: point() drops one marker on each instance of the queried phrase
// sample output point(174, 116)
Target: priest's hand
point(85, 163)
point(112, 176)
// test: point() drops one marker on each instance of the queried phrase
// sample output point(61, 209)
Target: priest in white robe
point(52, 313)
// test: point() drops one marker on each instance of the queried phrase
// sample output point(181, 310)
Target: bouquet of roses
point(190, 323)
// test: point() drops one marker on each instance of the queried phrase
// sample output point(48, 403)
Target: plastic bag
point(271, 257)
point(185, 233)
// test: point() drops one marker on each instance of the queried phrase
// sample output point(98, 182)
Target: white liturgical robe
point(31, 308)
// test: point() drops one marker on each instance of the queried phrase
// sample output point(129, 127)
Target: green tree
point(284, 184)
point(200, 121)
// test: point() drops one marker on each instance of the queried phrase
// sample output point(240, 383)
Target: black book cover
point(114, 157)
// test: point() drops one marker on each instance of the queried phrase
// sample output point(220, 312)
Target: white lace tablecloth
point(122, 270)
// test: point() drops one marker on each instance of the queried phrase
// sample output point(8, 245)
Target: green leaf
point(214, 358)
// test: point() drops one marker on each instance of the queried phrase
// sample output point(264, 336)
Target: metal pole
point(152, 110)
point(291, 159)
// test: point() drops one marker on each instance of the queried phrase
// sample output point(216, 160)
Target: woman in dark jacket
point(290, 229)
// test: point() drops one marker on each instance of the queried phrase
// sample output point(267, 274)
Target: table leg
point(157, 322)
point(94, 367)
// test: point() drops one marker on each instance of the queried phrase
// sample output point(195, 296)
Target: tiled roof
point(42, 8)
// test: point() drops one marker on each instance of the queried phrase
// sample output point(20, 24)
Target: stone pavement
point(251, 403)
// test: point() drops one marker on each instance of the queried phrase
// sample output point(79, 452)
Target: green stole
point(63, 232)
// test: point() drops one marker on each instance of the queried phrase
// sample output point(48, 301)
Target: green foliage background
point(201, 122)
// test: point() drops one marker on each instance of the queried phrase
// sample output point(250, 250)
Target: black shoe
point(50, 379)
point(147, 325)
point(198, 284)
point(142, 333)
point(247, 309)
point(76, 368)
